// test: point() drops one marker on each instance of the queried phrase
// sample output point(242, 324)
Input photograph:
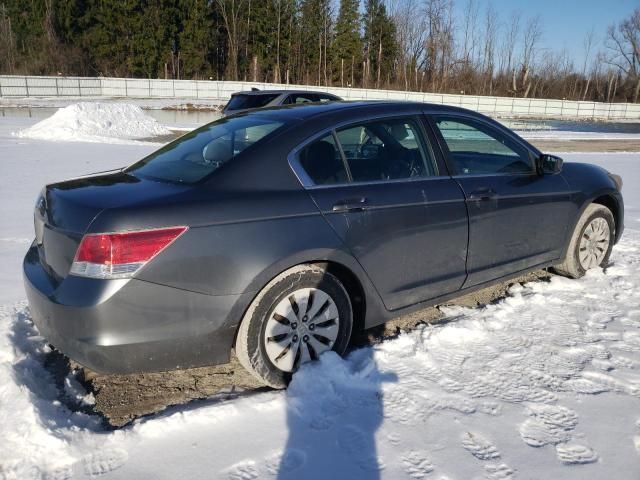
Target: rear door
point(402, 217)
point(517, 218)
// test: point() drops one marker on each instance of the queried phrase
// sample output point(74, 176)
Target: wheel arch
point(606, 198)
point(367, 305)
point(609, 201)
point(352, 285)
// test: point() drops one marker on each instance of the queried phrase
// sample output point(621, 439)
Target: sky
point(564, 22)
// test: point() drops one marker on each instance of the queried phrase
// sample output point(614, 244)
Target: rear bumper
point(126, 326)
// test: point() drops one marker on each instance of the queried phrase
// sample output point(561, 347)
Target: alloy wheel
point(301, 326)
point(594, 243)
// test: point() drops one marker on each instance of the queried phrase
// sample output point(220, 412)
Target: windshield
point(201, 152)
point(240, 102)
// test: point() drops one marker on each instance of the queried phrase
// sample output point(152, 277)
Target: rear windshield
point(198, 154)
point(240, 102)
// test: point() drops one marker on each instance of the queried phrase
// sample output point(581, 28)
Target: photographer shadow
point(334, 409)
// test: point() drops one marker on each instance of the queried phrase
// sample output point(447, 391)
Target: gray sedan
point(280, 231)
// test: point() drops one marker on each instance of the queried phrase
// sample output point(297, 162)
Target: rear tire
point(591, 242)
point(301, 313)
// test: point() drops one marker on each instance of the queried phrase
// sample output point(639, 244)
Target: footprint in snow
point(549, 425)
point(104, 461)
point(479, 446)
point(536, 433)
point(574, 454)
point(394, 439)
point(498, 472)
point(584, 386)
point(563, 417)
point(490, 408)
point(245, 470)
point(284, 462)
point(416, 464)
point(60, 473)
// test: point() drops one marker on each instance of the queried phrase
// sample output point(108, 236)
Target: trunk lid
point(65, 210)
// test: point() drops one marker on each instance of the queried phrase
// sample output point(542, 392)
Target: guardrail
point(24, 86)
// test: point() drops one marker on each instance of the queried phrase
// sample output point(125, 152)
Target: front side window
point(385, 150)
point(476, 148)
point(198, 154)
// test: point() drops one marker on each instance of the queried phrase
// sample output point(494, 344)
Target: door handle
point(350, 205)
point(482, 195)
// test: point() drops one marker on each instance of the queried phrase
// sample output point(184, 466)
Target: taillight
point(120, 255)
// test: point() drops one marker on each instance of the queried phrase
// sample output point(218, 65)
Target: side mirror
point(550, 164)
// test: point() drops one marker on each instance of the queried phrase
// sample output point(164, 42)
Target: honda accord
point(278, 232)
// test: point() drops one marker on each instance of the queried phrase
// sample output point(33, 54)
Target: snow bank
point(96, 122)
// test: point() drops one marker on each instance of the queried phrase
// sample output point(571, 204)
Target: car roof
point(279, 92)
point(306, 111)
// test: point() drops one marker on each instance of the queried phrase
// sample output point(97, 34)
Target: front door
point(377, 185)
point(517, 218)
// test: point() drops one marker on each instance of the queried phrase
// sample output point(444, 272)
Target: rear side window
point(370, 151)
point(240, 102)
point(477, 148)
point(200, 153)
point(323, 163)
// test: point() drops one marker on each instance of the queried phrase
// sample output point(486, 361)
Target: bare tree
point(439, 44)
point(623, 44)
point(7, 42)
point(589, 40)
point(410, 36)
point(488, 56)
point(470, 32)
point(532, 34)
point(509, 42)
point(230, 11)
point(276, 71)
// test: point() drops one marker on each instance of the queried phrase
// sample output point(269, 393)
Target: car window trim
point(434, 144)
point(306, 181)
point(343, 157)
point(444, 147)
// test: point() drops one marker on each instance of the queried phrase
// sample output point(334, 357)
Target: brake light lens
point(120, 255)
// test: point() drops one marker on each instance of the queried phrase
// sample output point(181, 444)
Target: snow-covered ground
point(544, 384)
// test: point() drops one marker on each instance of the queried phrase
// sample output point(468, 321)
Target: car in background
point(277, 232)
point(248, 100)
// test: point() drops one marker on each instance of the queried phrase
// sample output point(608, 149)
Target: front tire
point(300, 314)
point(591, 242)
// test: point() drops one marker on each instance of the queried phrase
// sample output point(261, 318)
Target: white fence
point(19, 86)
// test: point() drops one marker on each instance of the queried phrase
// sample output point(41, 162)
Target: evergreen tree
point(347, 44)
point(379, 44)
point(192, 55)
point(128, 37)
point(268, 38)
point(315, 30)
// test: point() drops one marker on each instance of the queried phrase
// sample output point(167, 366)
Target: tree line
point(418, 45)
